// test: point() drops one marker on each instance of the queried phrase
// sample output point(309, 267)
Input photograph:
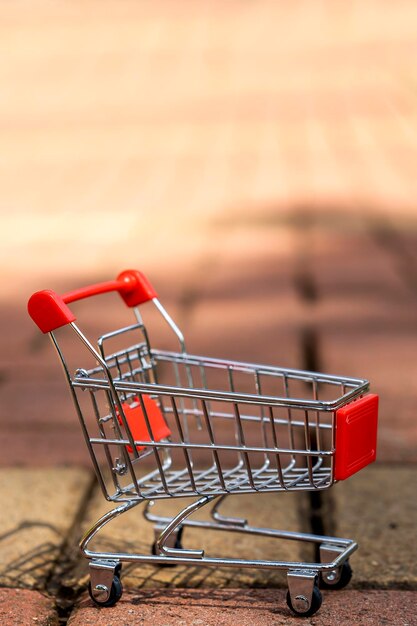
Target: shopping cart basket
point(161, 424)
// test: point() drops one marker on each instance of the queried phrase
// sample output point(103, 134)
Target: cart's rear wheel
point(338, 578)
point(116, 593)
point(316, 601)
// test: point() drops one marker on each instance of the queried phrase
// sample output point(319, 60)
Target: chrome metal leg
point(100, 523)
point(224, 519)
point(102, 574)
point(304, 597)
point(161, 542)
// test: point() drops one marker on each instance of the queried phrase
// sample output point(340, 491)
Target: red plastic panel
point(356, 432)
point(136, 288)
point(49, 311)
point(137, 424)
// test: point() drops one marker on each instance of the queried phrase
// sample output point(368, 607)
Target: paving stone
point(132, 534)
point(37, 447)
point(257, 607)
point(377, 507)
point(24, 607)
point(358, 283)
point(41, 507)
point(347, 260)
point(41, 404)
point(246, 307)
point(262, 332)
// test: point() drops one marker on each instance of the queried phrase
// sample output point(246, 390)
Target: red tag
point(137, 423)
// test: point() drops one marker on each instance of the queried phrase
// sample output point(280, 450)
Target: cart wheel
point(338, 578)
point(177, 545)
point(316, 601)
point(116, 592)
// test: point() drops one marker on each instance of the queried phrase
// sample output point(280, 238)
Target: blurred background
point(256, 159)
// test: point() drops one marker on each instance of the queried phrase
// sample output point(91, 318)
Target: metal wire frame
point(309, 467)
point(302, 459)
point(134, 371)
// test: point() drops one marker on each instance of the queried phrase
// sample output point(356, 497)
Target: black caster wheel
point(116, 593)
point(316, 601)
point(177, 546)
point(338, 578)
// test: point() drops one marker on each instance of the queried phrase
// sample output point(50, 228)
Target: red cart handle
point(50, 311)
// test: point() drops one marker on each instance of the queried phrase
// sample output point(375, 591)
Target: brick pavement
point(255, 607)
point(24, 607)
point(257, 161)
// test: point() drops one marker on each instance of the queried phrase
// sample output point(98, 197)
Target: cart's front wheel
point(316, 601)
point(338, 578)
point(114, 596)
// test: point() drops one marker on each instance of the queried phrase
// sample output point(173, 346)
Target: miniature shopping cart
point(160, 424)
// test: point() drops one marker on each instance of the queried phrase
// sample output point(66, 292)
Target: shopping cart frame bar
point(203, 394)
point(346, 546)
point(301, 576)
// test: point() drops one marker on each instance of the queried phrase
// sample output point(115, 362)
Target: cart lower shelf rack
point(160, 424)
